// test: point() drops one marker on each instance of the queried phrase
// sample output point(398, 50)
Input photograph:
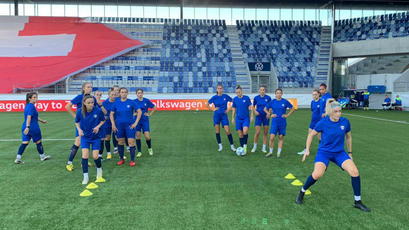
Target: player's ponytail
point(29, 96)
point(84, 107)
point(329, 107)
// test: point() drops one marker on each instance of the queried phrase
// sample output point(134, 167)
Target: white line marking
point(5, 140)
point(379, 119)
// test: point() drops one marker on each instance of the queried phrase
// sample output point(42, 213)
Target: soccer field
point(187, 184)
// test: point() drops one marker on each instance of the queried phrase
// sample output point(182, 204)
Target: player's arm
point(111, 117)
point(96, 128)
point(233, 113)
point(348, 138)
point(69, 109)
point(308, 144)
point(152, 112)
point(43, 121)
point(103, 108)
point(80, 132)
point(289, 114)
point(139, 115)
point(251, 109)
point(27, 125)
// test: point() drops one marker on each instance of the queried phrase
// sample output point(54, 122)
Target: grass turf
point(187, 184)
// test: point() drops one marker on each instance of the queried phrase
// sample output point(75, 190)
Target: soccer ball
point(240, 151)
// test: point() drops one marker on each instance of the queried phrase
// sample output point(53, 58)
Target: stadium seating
point(291, 46)
point(369, 28)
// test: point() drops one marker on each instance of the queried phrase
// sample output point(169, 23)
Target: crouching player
point(334, 130)
point(88, 121)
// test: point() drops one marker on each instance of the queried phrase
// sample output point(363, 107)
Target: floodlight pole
point(181, 10)
point(15, 7)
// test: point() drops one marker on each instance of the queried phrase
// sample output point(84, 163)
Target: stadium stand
point(375, 27)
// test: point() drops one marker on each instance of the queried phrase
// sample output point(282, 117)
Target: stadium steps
point(402, 83)
point(130, 73)
point(324, 58)
point(240, 67)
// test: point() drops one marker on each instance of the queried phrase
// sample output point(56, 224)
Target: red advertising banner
point(161, 104)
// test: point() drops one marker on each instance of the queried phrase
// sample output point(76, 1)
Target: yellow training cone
point(85, 193)
point(308, 192)
point(290, 176)
point(100, 180)
point(92, 186)
point(297, 183)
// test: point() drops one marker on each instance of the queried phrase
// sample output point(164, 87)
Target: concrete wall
point(371, 47)
point(362, 81)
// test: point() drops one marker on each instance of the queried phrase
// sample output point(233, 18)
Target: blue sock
point(40, 148)
point(138, 144)
point(245, 138)
point(126, 142)
point(356, 185)
point(219, 141)
point(114, 141)
point(108, 146)
point(98, 162)
point(73, 152)
point(84, 164)
point(21, 149)
point(132, 150)
point(230, 139)
point(148, 142)
point(241, 141)
point(101, 148)
point(121, 151)
point(310, 181)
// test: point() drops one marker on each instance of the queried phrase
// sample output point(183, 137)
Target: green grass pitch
point(187, 184)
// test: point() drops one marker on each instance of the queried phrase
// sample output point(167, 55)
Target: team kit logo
point(342, 127)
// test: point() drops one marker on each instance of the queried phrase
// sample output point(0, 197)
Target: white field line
point(5, 140)
point(378, 119)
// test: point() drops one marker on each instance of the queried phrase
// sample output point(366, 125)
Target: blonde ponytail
point(331, 104)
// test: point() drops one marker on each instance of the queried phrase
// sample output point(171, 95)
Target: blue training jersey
point(144, 105)
point(332, 134)
point(315, 109)
point(108, 107)
point(242, 106)
point(124, 111)
point(90, 121)
point(323, 102)
point(220, 102)
point(387, 100)
point(78, 101)
point(30, 110)
point(279, 107)
point(261, 102)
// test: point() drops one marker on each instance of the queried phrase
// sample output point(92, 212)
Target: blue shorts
point(33, 133)
point(241, 123)
point(337, 158)
point(313, 123)
point(86, 143)
point(261, 120)
point(107, 130)
point(125, 131)
point(220, 117)
point(144, 126)
point(278, 126)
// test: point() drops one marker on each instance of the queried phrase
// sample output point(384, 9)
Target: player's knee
point(317, 174)
point(354, 172)
point(281, 137)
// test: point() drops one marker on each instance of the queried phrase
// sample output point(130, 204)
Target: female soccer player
point(276, 109)
point(242, 105)
point(315, 109)
point(86, 90)
point(144, 104)
point(114, 140)
point(334, 129)
point(219, 104)
point(88, 120)
point(107, 127)
point(259, 103)
point(124, 123)
point(30, 129)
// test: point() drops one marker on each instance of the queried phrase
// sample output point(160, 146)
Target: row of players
point(128, 117)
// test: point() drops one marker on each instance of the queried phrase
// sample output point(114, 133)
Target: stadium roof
point(355, 4)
